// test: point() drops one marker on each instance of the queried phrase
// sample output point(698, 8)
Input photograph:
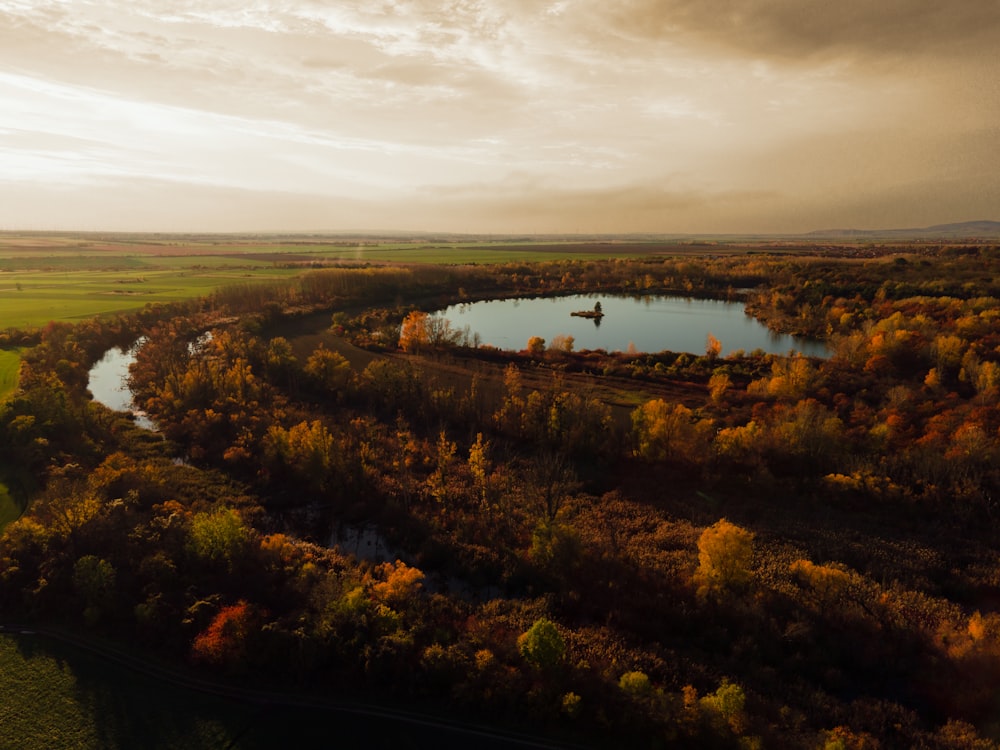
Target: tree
point(219, 538)
point(401, 583)
point(536, 345)
point(94, 581)
point(480, 467)
point(669, 431)
point(725, 553)
point(279, 361)
point(562, 343)
point(306, 452)
point(718, 384)
point(636, 684)
point(728, 704)
point(713, 347)
point(225, 640)
point(414, 334)
point(328, 370)
point(542, 645)
point(439, 480)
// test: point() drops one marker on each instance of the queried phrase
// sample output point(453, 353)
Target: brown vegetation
point(645, 548)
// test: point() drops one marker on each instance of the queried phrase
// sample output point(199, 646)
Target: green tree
point(94, 580)
point(219, 538)
point(542, 645)
point(635, 684)
point(728, 704)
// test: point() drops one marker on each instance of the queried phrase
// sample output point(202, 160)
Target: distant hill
point(961, 230)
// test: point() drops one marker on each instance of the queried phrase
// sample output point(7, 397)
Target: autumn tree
point(306, 453)
point(562, 343)
point(725, 553)
point(665, 432)
point(440, 479)
point(414, 334)
point(226, 641)
point(328, 370)
point(718, 384)
point(480, 467)
point(713, 347)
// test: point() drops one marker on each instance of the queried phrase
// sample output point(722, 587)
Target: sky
point(505, 117)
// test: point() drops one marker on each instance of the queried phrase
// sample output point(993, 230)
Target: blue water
point(649, 324)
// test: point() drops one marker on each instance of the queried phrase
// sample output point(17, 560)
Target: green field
point(10, 509)
point(52, 697)
point(33, 298)
point(75, 277)
point(10, 361)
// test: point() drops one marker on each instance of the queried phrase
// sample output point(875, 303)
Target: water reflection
point(649, 323)
point(108, 382)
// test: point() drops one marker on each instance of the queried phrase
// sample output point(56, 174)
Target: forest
point(609, 549)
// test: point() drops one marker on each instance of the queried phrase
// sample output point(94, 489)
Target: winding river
point(108, 383)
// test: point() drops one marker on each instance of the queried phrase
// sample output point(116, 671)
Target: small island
point(597, 312)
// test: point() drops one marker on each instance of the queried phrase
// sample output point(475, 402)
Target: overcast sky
point(508, 116)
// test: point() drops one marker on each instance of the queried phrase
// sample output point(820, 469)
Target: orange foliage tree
point(414, 334)
point(225, 641)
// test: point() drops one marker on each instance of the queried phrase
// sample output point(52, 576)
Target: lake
point(651, 324)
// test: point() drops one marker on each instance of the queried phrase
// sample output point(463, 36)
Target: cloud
point(632, 115)
point(793, 30)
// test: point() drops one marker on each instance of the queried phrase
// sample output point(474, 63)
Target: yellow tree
point(665, 431)
point(725, 552)
point(414, 334)
point(713, 347)
point(480, 467)
point(718, 384)
point(328, 369)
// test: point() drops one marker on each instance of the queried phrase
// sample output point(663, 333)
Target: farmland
point(9, 360)
point(72, 277)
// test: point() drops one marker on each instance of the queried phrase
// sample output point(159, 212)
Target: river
point(108, 383)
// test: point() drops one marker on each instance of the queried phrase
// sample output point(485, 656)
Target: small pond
point(108, 382)
point(650, 324)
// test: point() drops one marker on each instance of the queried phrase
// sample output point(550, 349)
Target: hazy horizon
point(569, 117)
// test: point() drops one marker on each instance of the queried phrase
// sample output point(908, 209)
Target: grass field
point(10, 509)
point(33, 298)
point(53, 695)
point(10, 361)
point(75, 277)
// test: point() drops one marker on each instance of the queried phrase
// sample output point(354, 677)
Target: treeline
point(764, 551)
